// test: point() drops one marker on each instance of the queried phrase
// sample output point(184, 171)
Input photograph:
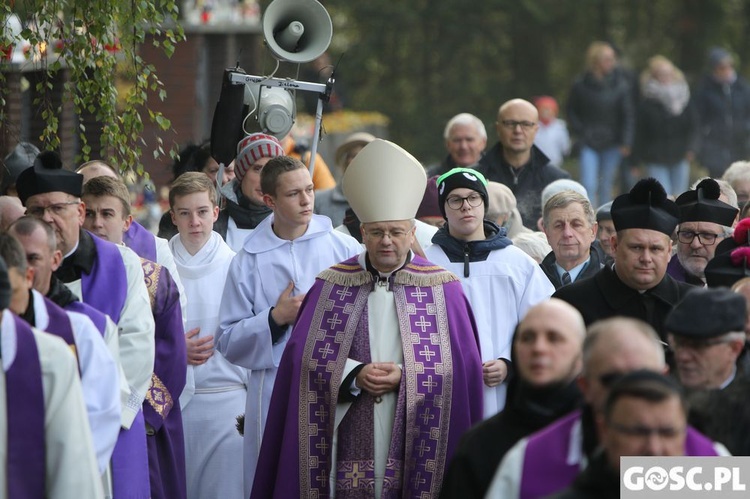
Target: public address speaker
point(297, 31)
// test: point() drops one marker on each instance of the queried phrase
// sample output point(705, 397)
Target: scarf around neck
point(673, 96)
point(245, 213)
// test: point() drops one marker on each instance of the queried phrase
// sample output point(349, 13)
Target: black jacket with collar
point(605, 295)
point(527, 186)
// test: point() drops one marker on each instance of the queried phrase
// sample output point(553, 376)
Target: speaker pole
point(324, 97)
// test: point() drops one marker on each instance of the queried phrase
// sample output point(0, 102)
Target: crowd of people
point(487, 327)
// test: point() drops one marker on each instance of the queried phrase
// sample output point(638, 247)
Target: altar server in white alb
point(267, 281)
point(215, 391)
point(501, 282)
point(46, 449)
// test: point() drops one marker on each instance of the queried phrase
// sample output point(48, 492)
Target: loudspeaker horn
point(297, 31)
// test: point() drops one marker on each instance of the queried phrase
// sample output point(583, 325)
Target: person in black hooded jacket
point(547, 356)
point(500, 281)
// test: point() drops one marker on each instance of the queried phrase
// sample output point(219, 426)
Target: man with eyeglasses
point(516, 162)
point(381, 374)
point(490, 267)
point(613, 348)
point(645, 415)
point(109, 278)
point(705, 221)
point(706, 332)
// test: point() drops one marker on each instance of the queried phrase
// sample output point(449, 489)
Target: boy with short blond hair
point(215, 392)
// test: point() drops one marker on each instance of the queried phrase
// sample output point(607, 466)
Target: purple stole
point(141, 241)
point(98, 318)
point(106, 287)
point(25, 405)
point(60, 325)
point(545, 467)
point(166, 448)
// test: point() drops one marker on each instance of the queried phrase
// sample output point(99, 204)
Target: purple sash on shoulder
point(545, 466)
point(106, 287)
point(141, 241)
point(25, 406)
point(97, 317)
point(59, 322)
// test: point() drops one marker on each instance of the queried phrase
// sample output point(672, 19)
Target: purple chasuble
point(25, 405)
point(546, 469)
point(161, 409)
point(106, 287)
point(441, 386)
point(141, 241)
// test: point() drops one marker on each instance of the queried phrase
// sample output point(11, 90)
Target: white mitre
point(384, 182)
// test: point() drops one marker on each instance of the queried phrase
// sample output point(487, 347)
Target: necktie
point(566, 279)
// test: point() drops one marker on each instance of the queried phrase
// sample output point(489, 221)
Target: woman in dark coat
point(667, 125)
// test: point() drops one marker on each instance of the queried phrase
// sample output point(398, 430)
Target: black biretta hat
point(707, 313)
point(48, 175)
point(703, 205)
point(646, 206)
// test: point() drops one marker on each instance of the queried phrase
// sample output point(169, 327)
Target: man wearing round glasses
point(705, 221)
point(706, 332)
point(516, 162)
point(501, 282)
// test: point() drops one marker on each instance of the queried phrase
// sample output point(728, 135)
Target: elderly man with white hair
point(465, 139)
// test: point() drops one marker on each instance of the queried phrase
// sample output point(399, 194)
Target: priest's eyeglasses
point(705, 238)
point(456, 202)
point(512, 124)
point(378, 234)
point(56, 209)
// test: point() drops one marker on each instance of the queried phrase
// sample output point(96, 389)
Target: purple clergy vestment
point(25, 417)
point(546, 469)
point(166, 448)
point(441, 385)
